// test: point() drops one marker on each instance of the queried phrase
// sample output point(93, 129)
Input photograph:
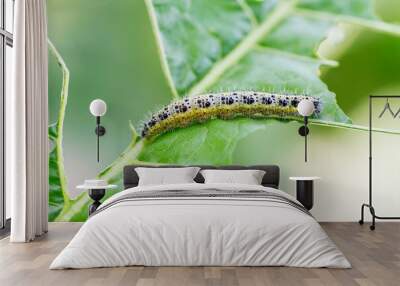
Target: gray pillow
point(246, 177)
point(166, 176)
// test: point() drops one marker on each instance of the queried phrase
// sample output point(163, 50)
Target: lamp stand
point(100, 131)
point(304, 131)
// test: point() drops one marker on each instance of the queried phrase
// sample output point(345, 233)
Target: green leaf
point(357, 8)
point(56, 200)
point(246, 45)
point(193, 38)
point(290, 36)
point(215, 45)
point(203, 41)
point(212, 142)
point(58, 196)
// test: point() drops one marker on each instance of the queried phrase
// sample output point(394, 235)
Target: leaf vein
point(280, 13)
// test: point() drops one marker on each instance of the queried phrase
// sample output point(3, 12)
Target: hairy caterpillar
point(226, 105)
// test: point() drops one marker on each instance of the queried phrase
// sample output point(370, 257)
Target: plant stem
point(352, 127)
point(60, 121)
point(129, 156)
point(110, 174)
point(160, 48)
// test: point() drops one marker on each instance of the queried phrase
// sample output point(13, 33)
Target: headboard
point(271, 177)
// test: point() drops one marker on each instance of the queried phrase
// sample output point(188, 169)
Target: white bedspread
point(200, 231)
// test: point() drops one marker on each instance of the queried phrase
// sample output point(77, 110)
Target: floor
point(375, 257)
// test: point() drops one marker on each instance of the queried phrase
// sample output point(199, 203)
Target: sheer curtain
point(26, 124)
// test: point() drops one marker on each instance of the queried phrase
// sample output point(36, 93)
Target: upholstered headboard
point(271, 177)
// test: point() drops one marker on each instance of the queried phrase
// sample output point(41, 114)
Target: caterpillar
point(225, 105)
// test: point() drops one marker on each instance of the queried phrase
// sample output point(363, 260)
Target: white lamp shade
point(305, 107)
point(98, 107)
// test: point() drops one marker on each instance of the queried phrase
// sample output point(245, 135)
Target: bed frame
point(271, 177)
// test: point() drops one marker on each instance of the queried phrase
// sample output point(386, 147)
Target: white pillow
point(247, 177)
point(166, 176)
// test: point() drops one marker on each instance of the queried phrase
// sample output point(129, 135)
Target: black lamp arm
point(303, 130)
point(100, 131)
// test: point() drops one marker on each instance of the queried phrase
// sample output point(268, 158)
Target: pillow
point(248, 177)
point(166, 176)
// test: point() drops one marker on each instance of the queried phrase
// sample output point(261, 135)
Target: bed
point(198, 224)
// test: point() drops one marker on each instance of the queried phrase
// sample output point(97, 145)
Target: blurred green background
point(111, 53)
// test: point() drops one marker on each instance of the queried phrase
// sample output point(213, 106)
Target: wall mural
point(145, 57)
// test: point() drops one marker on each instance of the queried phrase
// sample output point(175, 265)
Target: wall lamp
point(305, 108)
point(98, 108)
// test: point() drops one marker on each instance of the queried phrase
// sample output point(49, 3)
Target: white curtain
point(26, 124)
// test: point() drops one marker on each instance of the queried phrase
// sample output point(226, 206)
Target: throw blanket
point(259, 195)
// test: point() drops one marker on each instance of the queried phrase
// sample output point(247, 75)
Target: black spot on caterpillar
point(225, 105)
